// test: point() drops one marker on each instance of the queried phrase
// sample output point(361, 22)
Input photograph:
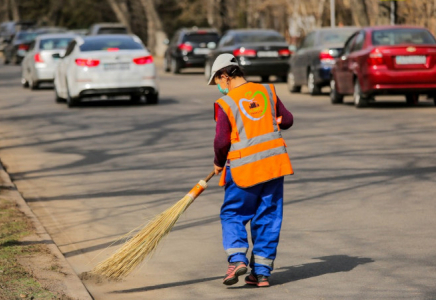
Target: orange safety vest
point(258, 151)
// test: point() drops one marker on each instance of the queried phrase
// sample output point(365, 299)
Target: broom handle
point(209, 176)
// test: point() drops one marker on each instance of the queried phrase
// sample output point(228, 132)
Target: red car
point(394, 60)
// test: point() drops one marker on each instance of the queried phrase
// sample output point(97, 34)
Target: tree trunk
point(211, 12)
point(5, 11)
point(121, 16)
point(156, 35)
point(360, 12)
point(224, 22)
point(320, 13)
point(14, 8)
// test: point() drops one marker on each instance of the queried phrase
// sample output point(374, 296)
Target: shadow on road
point(122, 103)
point(328, 265)
point(167, 285)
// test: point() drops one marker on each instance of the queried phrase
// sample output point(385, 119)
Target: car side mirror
point(57, 55)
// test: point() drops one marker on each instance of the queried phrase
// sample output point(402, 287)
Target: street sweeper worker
point(251, 155)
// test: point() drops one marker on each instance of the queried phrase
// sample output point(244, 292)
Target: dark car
point(393, 60)
point(17, 49)
point(188, 48)
point(8, 30)
point(312, 63)
point(260, 52)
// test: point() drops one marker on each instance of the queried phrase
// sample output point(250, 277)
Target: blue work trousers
point(262, 205)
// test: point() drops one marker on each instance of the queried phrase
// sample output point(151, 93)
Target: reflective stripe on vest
point(241, 129)
point(256, 140)
point(273, 104)
point(257, 156)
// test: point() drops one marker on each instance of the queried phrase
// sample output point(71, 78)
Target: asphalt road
point(360, 211)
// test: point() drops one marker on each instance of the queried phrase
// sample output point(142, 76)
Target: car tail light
point(244, 52)
point(38, 58)
point(112, 49)
point(326, 57)
point(375, 58)
point(284, 52)
point(143, 60)
point(23, 47)
point(81, 62)
point(185, 47)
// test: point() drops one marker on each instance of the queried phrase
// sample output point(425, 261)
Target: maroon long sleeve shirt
point(223, 130)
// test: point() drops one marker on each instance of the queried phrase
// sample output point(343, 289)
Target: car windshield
point(54, 43)
point(112, 30)
point(98, 44)
point(201, 38)
point(259, 37)
point(402, 36)
point(26, 36)
point(339, 36)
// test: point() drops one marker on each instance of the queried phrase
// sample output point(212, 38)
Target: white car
point(106, 65)
point(39, 64)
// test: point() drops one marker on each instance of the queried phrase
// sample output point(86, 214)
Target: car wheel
point(412, 99)
point(34, 85)
point(291, 84)
point(283, 78)
point(335, 97)
point(207, 71)
point(360, 100)
point(265, 78)
point(314, 89)
point(6, 60)
point(24, 82)
point(166, 65)
point(175, 66)
point(152, 98)
point(57, 98)
point(71, 102)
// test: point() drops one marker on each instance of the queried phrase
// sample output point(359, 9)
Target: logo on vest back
point(254, 105)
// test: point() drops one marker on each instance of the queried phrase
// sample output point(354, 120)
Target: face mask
point(223, 91)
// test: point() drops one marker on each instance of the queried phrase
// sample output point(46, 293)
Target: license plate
point(411, 60)
point(201, 51)
point(116, 66)
point(267, 54)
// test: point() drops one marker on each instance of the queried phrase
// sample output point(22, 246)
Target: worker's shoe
point(235, 270)
point(259, 280)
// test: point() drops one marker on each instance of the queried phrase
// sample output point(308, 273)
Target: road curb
point(74, 287)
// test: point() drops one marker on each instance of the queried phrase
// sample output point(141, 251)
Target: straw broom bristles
point(144, 243)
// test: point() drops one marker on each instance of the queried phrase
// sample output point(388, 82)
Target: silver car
point(40, 62)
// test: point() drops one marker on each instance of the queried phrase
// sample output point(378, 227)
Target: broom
point(143, 244)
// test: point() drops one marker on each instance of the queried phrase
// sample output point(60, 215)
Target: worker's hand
point(217, 169)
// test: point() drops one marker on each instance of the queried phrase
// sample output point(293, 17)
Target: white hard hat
point(222, 61)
